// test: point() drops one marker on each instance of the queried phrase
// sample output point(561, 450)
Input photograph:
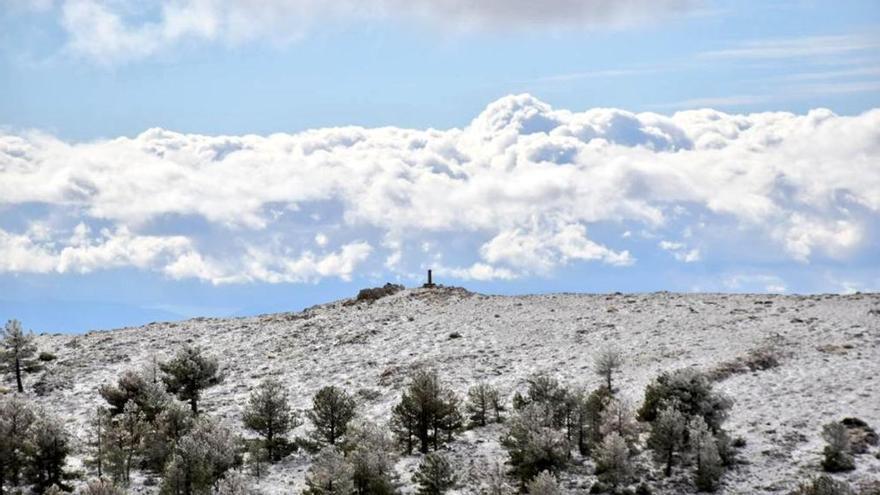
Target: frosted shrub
point(544, 484)
point(613, 460)
point(618, 417)
point(234, 482)
point(372, 455)
point(200, 459)
point(824, 485)
point(533, 446)
point(330, 474)
point(100, 487)
point(435, 475)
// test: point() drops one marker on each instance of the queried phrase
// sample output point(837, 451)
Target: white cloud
point(523, 189)
point(108, 31)
point(755, 283)
point(478, 271)
point(680, 251)
point(802, 47)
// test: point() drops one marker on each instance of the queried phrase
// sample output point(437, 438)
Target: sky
point(180, 158)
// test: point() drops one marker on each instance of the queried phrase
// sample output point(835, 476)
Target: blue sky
point(199, 157)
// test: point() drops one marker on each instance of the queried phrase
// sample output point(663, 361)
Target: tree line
point(152, 422)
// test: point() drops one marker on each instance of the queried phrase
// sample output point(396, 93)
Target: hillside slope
point(829, 348)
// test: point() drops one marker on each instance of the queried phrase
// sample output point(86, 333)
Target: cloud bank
point(110, 31)
point(522, 191)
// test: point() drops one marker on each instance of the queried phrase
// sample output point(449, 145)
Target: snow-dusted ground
point(829, 370)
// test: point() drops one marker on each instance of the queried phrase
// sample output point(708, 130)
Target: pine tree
point(435, 475)
point(618, 417)
point(17, 351)
point(838, 455)
point(200, 459)
point(188, 373)
point(136, 388)
point(708, 468)
point(123, 442)
point(164, 433)
point(427, 412)
point(47, 450)
point(17, 419)
point(613, 460)
point(483, 405)
point(667, 434)
point(330, 474)
point(332, 411)
point(268, 413)
point(607, 363)
point(594, 410)
point(692, 392)
point(533, 445)
point(372, 455)
point(99, 422)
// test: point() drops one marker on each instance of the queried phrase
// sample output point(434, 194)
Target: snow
point(830, 348)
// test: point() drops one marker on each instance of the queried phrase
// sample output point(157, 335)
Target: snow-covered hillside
point(829, 347)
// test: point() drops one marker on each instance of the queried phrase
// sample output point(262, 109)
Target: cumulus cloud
point(523, 190)
point(680, 251)
point(112, 30)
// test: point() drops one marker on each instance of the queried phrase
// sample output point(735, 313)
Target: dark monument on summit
point(430, 284)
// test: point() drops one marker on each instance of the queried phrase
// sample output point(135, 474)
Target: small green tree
point(708, 468)
point(134, 387)
point(200, 459)
point(607, 363)
point(667, 435)
point(47, 450)
point(693, 394)
point(612, 460)
point(123, 437)
point(372, 455)
point(533, 444)
point(593, 413)
point(435, 475)
point(483, 405)
point(332, 411)
point(330, 474)
point(188, 373)
point(268, 413)
point(838, 455)
point(17, 351)
point(427, 413)
point(17, 419)
point(618, 417)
